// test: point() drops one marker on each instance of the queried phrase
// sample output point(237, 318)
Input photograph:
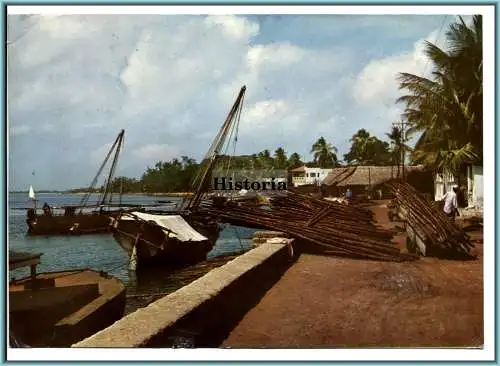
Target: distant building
point(370, 179)
point(305, 176)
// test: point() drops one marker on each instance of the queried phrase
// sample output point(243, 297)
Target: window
point(313, 175)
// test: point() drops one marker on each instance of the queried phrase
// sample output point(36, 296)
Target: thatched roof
point(364, 175)
point(337, 175)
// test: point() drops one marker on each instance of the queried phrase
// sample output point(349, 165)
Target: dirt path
point(326, 301)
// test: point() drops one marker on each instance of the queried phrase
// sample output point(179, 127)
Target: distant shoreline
point(152, 194)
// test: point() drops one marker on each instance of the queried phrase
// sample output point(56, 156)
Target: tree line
point(177, 174)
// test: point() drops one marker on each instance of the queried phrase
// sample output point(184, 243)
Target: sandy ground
point(331, 302)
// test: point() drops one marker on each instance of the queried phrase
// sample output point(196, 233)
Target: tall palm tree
point(294, 161)
point(447, 108)
point(324, 154)
point(280, 159)
point(399, 145)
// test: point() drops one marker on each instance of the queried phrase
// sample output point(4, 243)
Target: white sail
point(31, 194)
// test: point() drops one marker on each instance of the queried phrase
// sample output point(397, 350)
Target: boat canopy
point(178, 227)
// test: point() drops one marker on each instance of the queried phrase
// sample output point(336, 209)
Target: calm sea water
point(101, 252)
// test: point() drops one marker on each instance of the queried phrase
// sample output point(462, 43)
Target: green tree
point(294, 161)
point(447, 108)
point(367, 150)
point(265, 159)
point(324, 154)
point(398, 145)
point(280, 159)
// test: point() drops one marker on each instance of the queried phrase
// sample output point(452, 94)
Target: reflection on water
point(101, 252)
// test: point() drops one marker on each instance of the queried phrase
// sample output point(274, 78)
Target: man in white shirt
point(450, 203)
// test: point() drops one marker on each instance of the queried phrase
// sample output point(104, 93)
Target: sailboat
point(183, 237)
point(31, 194)
point(75, 220)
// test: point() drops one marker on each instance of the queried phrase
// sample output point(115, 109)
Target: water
point(101, 252)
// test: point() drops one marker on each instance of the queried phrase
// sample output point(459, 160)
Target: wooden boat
point(68, 223)
point(80, 219)
point(58, 309)
point(182, 237)
point(167, 240)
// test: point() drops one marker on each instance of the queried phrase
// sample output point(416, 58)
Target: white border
point(488, 353)
point(243, 9)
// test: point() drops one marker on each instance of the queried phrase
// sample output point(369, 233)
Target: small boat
point(167, 240)
point(31, 194)
point(74, 220)
point(58, 309)
point(69, 223)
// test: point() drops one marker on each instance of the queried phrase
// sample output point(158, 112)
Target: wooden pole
point(402, 127)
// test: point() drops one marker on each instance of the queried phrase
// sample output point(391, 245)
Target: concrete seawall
point(205, 311)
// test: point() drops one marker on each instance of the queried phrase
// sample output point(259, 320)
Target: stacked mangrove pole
point(442, 236)
point(335, 228)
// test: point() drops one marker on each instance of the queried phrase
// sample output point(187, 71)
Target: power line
point(435, 42)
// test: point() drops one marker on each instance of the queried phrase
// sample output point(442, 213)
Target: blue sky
point(169, 81)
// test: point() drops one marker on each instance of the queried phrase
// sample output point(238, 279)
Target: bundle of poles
point(443, 237)
point(335, 228)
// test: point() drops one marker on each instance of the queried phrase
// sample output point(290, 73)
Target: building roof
point(364, 175)
point(300, 169)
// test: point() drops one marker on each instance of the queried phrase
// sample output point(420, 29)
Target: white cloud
point(233, 26)
point(376, 87)
point(377, 82)
point(153, 153)
point(169, 81)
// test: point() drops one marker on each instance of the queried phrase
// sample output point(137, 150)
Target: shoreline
point(152, 194)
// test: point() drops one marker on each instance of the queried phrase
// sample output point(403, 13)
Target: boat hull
point(62, 308)
point(78, 224)
point(153, 248)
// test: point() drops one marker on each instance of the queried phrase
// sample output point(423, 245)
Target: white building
point(473, 178)
point(304, 175)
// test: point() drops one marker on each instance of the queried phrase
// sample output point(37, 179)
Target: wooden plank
point(22, 259)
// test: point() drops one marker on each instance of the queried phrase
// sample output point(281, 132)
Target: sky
point(74, 81)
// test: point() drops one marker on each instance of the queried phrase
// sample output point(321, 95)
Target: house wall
point(298, 179)
point(477, 184)
point(443, 183)
point(472, 176)
point(310, 176)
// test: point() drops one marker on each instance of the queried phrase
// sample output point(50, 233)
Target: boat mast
point(85, 198)
point(107, 190)
point(209, 161)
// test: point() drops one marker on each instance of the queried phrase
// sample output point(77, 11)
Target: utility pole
point(402, 126)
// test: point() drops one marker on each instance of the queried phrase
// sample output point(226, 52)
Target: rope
point(235, 127)
point(101, 168)
point(144, 240)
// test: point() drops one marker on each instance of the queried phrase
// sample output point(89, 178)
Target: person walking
point(451, 203)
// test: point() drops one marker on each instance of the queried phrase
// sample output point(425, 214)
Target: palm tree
point(447, 108)
point(294, 161)
point(398, 144)
point(368, 150)
point(280, 159)
point(265, 159)
point(325, 154)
